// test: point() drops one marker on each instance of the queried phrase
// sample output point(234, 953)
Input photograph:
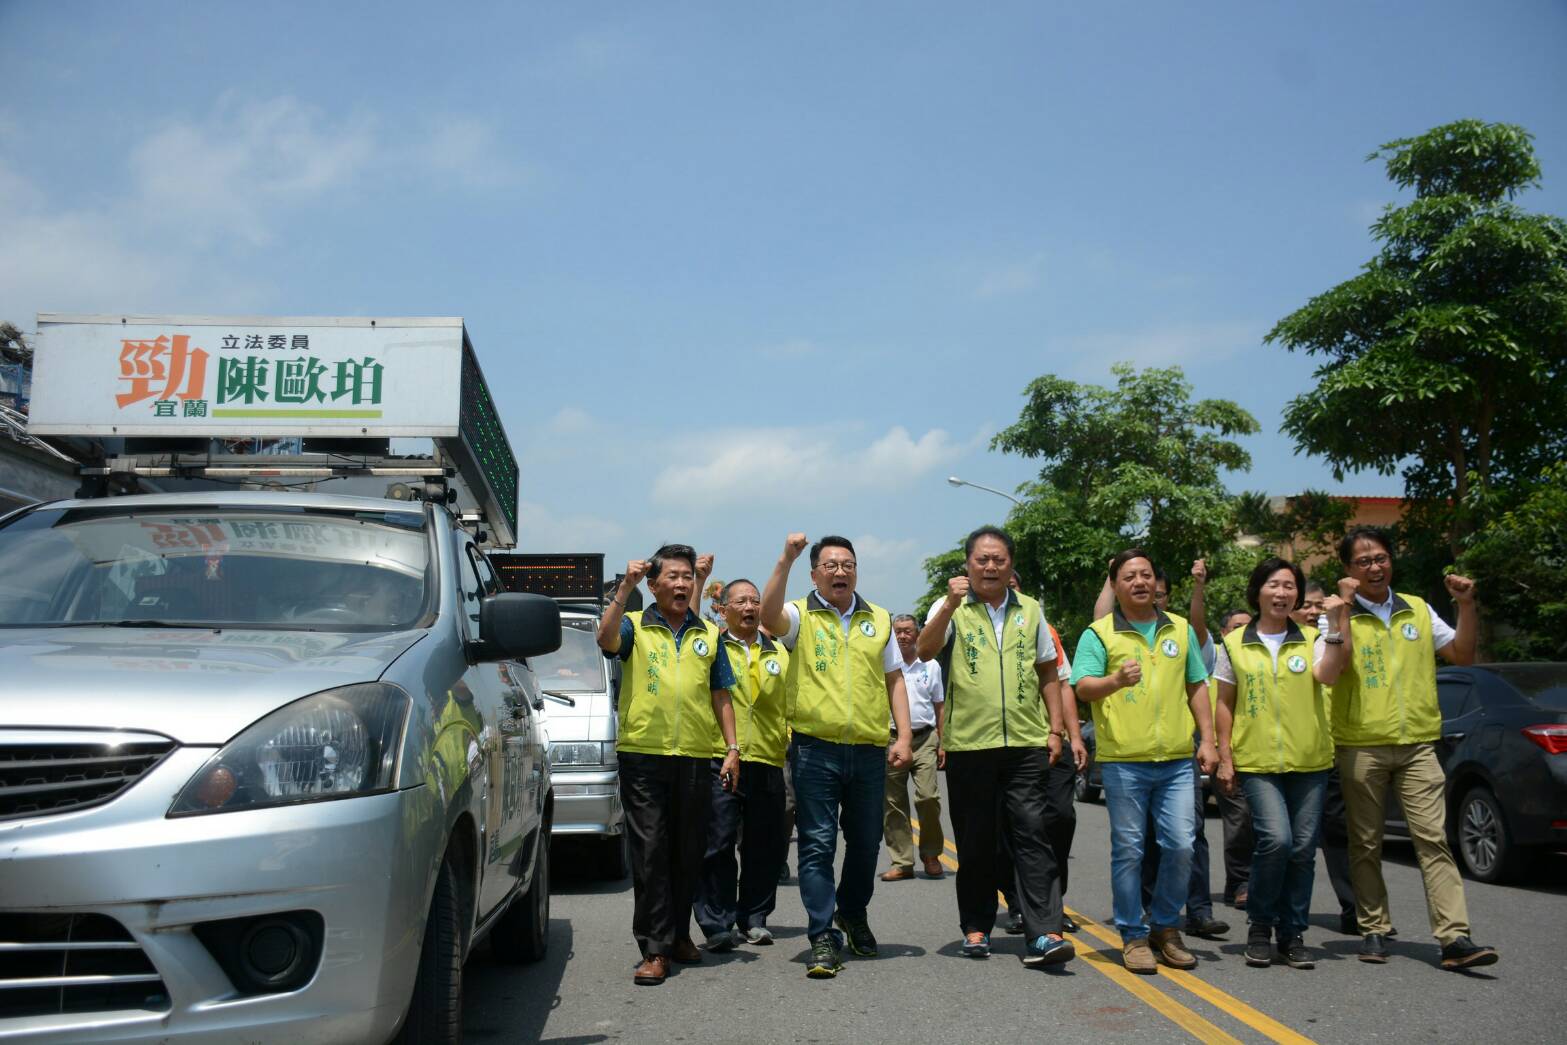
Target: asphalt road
point(921, 989)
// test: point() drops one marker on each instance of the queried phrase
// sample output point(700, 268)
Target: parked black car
point(1504, 750)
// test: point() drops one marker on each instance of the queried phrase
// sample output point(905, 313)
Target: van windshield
point(213, 567)
point(578, 666)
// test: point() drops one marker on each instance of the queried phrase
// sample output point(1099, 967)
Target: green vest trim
point(666, 699)
point(993, 697)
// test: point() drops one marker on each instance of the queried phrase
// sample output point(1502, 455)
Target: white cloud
point(888, 565)
point(1180, 344)
point(783, 466)
point(1017, 277)
point(541, 529)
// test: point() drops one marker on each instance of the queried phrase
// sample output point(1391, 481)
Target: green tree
point(1444, 356)
point(1138, 462)
point(1518, 559)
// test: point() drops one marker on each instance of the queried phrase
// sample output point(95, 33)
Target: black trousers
point(1238, 839)
point(1335, 844)
point(742, 892)
point(666, 799)
point(1060, 827)
point(993, 792)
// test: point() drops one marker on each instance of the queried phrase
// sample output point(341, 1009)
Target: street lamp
point(955, 481)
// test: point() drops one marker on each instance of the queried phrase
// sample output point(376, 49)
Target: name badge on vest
point(771, 665)
point(867, 629)
point(1410, 631)
point(1297, 664)
point(1170, 648)
point(700, 647)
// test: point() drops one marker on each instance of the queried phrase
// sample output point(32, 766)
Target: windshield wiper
point(559, 698)
point(140, 623)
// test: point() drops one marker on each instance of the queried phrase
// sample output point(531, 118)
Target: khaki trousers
point(927, 805)
point(1415, 775)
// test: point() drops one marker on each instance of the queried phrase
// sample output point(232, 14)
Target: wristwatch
point(735, 748)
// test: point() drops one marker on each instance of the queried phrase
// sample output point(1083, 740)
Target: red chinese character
point(181, 369)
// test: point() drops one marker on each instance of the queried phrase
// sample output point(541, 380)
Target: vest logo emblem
point(1409, 631)
point(700, 647)
point(1170, 648)
point(1297, 664)
point(771, 664)
point(1017, 619)
point(867, 629)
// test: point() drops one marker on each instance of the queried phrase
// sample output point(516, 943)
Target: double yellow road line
point(1108, 963)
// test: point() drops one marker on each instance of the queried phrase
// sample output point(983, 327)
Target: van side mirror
point(515, 626)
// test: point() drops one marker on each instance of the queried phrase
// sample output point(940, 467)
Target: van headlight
point(582, 753)
point(335, 744)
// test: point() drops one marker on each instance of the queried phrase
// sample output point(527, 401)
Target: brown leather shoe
point(1172, 949)
point(686, 952)
point(898, 874)
point(1138, 957)
point(933, 868)
point(652, 972)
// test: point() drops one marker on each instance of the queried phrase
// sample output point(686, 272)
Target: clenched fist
point(1461, 588)
point(636, 569)
point(1200, 572)
point(1129, 674)
point(1348, 588)
point(704, 567)
point(794, 544)
point(957, 590)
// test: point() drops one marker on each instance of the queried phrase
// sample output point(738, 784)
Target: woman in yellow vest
point(675, 688)
point(1276, 745)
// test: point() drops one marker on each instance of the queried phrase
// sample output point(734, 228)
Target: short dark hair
point(671, 551)
point(830, 541)
point(1267, 568)
point(1124, 557)
point(1346, 547)
point(1313, 586)
point(989, 531)
point(1159, 576)
point(907, 616)
point(723, 593)
point(1231, 612)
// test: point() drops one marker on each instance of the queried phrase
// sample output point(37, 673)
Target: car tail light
point(1551, 738)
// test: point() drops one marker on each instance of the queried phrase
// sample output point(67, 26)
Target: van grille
point(43, 772)
point(69, 963)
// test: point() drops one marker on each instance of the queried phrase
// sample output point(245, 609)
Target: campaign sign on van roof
point(246, 376)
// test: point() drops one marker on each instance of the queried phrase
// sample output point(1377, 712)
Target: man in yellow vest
point(1385, 722)
point(675, 688)
point(1003, 732)
point(844, 673)
point(1140, 671)
point(734, 900)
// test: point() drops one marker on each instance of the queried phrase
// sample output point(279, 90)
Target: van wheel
point(616, 857)
point(523, 932)
point(435, 1013)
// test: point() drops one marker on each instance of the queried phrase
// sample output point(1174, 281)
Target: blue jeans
point(1286, 815)
point(830, 777)
point(1132, 790)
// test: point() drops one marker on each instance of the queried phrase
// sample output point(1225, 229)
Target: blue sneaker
point(1049, 950)
point(976, 945)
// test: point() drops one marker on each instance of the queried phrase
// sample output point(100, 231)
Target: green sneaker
point(824, 963)
point(861, 940)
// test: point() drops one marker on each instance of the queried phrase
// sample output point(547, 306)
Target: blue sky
point(733, 270)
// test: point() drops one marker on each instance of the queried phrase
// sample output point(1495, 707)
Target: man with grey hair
point(922, 679)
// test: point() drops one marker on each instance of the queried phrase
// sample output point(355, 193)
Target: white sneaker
point(760, 935)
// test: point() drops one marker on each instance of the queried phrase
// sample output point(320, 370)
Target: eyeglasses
point(1365, 562)
point(840, 566)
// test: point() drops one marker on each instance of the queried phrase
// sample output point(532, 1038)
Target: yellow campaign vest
point(1151, 721)
point(759, 700)
point(993, 695)
point(837, 689)
point(1281, 714)
point(1387, 692)
point(666, 703)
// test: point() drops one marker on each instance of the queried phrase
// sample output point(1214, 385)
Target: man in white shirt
point(922, 679)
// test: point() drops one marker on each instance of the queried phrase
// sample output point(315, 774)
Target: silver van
point(270, 768)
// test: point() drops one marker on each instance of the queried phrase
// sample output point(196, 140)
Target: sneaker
point(1296, 954)
point(1138, 957)
point(1373, 949)
point(976, 945)
point(1259, 946)
point(1067, 924)
point(1015, 923)
point(1049, 950)
point(861, 940)
point(824, 962)
point(1208, 928)
point(1464, 953)
point(1171, 949)
point(760, 935)
point(721, 941)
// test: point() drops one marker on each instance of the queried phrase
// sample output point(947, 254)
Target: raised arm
point(1462, 649)
point(773, 618)
point(1335, 655)
point(609, 625)
point(933, 636)
point(1199, 614)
